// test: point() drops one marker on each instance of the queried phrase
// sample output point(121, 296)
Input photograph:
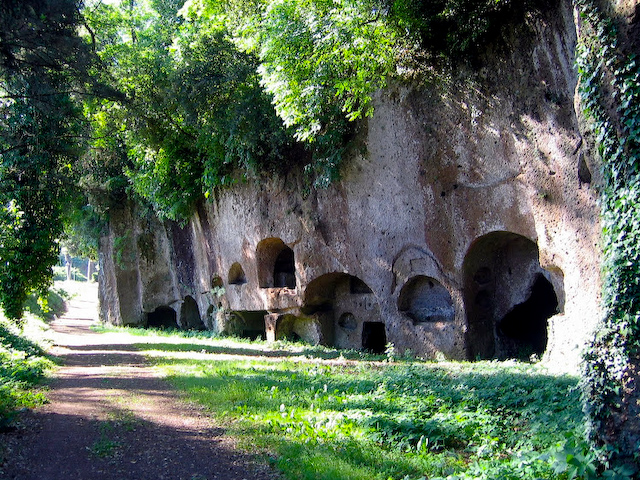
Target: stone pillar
point(271, 325)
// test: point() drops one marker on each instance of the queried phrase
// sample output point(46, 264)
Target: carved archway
point(190, 318)
point(344, 304)
point(276, 264)
point(508, 298)
point(236, 275)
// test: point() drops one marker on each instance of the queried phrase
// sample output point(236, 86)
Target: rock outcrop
point(466, 226)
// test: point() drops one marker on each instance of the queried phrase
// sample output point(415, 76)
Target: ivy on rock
point(607, 73)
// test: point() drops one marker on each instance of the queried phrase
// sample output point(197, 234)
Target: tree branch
point(15, 147)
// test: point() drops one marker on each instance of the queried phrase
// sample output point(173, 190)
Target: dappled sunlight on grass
point(196, 345)
point(408, 419)
point(205, 351)
point(323, 413)
point(23, 365)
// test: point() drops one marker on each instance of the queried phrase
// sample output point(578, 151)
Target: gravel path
point(110, 417)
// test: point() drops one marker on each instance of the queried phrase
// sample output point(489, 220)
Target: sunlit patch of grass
point(375, 420)
point(47, 307)
point(321, 413)
point(123, 418)
point(104, 447)
point(22, 367)
point(207, 342)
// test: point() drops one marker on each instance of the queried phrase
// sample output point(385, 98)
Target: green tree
point(322, 60)
point(36, 178)
point(40, 139)
point(193, 111)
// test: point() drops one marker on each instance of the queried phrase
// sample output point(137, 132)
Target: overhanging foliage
point(40, 138)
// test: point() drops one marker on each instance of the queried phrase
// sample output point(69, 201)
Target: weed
point(124, 419)
point(104, 447)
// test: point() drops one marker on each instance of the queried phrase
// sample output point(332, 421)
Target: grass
point(318, 413)
point(104, 447)
point(23, 365)
point(123, 419)
point(109, 444)
point(384, 421)
point(23, 360)
point(51, 306)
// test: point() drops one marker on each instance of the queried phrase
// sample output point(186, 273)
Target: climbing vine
point(605, 73)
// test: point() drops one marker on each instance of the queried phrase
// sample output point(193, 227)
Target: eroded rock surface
point(473, 198)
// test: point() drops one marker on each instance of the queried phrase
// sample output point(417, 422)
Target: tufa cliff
point(466, 226)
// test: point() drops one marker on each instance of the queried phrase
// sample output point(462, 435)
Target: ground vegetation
point(23, 365)
point(318, 413)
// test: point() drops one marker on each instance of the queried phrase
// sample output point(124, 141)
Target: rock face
point(466, 227)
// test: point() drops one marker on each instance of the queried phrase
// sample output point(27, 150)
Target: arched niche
point(348, 321)
point(190, 318)
point(284, 270)
point(216, 281)
point(294, 327)
point(162, 317)
point(508, 298)
point(412, 261)
point(322, 292)
point(424, 299)
point(236, 275)
point(343, 303)
point(276, 264)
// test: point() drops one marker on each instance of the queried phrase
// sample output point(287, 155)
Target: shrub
point(22, 366)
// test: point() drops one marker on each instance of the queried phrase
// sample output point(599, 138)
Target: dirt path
point(110, 417)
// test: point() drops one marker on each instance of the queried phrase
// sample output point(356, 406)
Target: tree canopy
point(41, 137)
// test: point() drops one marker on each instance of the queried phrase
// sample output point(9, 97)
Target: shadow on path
point(110, 417)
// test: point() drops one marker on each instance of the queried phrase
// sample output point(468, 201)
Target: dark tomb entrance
point(276, 264)
point(508, 298)
point(284, 270)
point(523, 330)
point(252, 324)
point(236, 275)
point(190, 315)
point(162, 317)
point(374, 337)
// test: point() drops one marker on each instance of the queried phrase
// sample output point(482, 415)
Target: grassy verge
point(319, 415)
point(22, 367)
point(49, 307)
point(23, 361)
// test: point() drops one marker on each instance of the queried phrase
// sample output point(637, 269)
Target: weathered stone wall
point(470, 189)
